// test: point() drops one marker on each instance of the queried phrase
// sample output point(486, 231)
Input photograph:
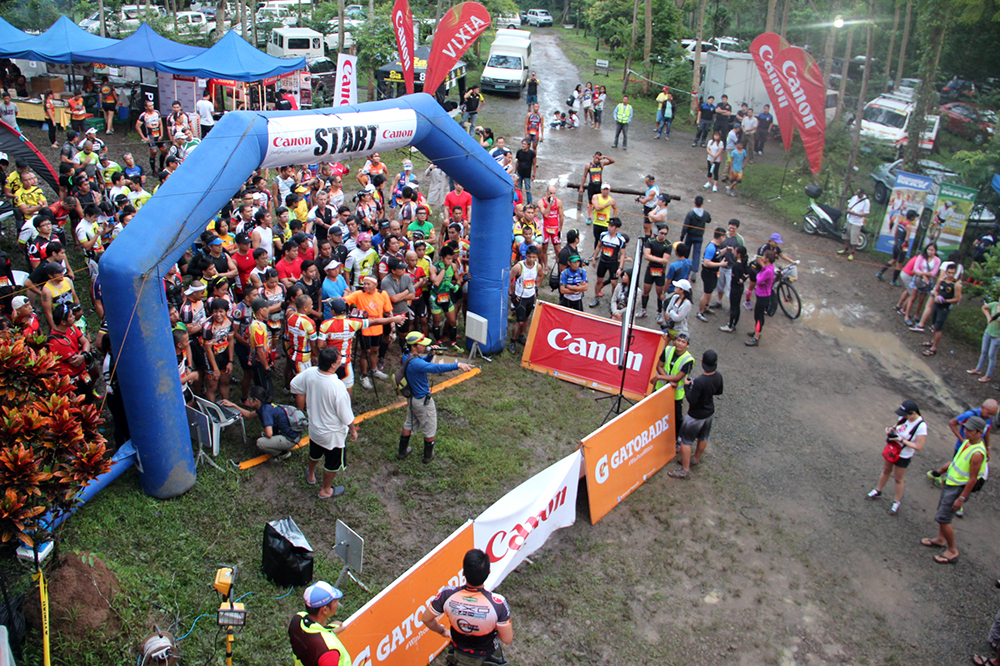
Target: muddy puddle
point(900, 361)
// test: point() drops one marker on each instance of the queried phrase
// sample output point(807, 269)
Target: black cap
point(395, 263)
point(338, 306)
point(258, 303)
point(908, 407)
point(242, 239)
point(300, 237)
point(709, 360)
point(335, 230)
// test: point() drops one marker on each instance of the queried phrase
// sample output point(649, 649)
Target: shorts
point(592, 189)
point(572, 305)
point(855, 233)
point(551, 237)
point(346, 373)
point(909, 282)
point(725, 277)
point(903, 462)
point(736, 176)
point(369, 341)
point(242, 355)
point(222, 360)
point(156, 145)
point(899, 253)
point(709, 279)
point(198, 357)
point(333, 459)
point(443, 307)
point(939, 315)
point(109, 106)
point(419, 307)
point(945, 510)
point(604, 268)
point(695, 430)
point(420, 416)
point(658, 280)
point(525, 306)
point(300, 366)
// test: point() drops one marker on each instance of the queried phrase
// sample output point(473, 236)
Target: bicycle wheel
point(772, 306)
point(788, 299)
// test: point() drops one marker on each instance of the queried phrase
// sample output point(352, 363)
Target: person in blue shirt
point(710, 265)
point(987, 412)
point(334, 285)
point(739, 157)
point(420, 410)
point(573, 284)
point(680, 268)
point(278, 438)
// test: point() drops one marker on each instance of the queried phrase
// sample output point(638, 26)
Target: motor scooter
point(825, 220)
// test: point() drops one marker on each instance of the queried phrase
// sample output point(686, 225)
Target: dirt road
point(770, 554)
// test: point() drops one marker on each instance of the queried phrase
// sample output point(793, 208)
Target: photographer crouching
point(72, 347)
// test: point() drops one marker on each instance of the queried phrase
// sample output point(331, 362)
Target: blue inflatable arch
point(171, 221)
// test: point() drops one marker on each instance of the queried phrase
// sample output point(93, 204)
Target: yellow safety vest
point(623, 113)
point(959, 469)
point(673, 366)
point(329, 638)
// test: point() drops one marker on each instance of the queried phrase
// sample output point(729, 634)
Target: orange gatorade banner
point(387, 631)
point(624, 452)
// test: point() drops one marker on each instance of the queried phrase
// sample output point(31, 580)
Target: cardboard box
point(40, 84)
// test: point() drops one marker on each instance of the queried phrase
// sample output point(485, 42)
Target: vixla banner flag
point(402, 25)
point(801, 89)
point(459, 28)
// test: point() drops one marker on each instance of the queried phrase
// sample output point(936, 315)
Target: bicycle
point(784, 294)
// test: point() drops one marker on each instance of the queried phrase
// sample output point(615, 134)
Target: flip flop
point(926, 344)
point(974, 372)
point(313, 482)
point(941, 559)
point(930, 544)
point(930, 352)
point(336, 491)
point(979, 660)
point(983, 380)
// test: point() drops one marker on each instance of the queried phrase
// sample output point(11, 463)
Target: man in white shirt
point(205, 108)
point(500, 151)
point(324, 397)
point(750, 124)
point(858, 209)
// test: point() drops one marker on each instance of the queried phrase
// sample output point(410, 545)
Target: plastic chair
point(219, 418)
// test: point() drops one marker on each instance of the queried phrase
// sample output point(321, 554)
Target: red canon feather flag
point(402, 25)
point(459, 28)
point(795, 84)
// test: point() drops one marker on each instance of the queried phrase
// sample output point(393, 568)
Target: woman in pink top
point(925, 271)
point(909, 291)
point(765, 283)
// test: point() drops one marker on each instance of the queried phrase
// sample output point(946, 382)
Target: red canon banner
point(764, 49)
point(802, 87)
point(459, 28)
point(584, 349)
point(402, 25)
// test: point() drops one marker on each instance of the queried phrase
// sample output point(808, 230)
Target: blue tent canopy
point(143, 48)
point(62, 44)
point(9, 35)
point(234, 59)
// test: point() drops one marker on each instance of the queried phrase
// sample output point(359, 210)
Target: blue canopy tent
point(143, 48)
point(234, 59)
point(61, 44)
point(9, 35)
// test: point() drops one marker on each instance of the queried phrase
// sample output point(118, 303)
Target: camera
point(88, 358)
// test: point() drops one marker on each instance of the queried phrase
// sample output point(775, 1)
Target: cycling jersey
point(441, 294)
point(526, 284)
point(360, 264)
point(657, 249)
point(338, 333)
point(217, 336)
point(301, 334)
point(474, 615)
point(259, 337)
point(602, 211)
point(611, 247)
point(61, 293)
point(151, 121)
point(595, 174)
point(534, 122)
point(193, 313)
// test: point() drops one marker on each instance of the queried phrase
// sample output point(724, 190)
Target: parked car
point(511, 22)
point(194, 23)
point(884, 177)
point(968, 120)
point(887, 118)
point(689, 45)
point(726, 43)
point(539, 17)
point(126, 20)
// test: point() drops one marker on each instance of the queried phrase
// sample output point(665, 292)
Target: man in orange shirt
point(375, 304)
point(301, 332)
point(339, 330)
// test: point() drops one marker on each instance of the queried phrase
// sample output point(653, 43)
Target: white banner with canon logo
point(331, 137)
point(346, 91)
point(522, 520)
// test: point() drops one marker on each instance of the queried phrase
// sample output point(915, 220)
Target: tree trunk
point(784, 18)
point(843, 73)
point(892, 45)
point(772, 5)
point(100, 13)
point(828, 45)
point(699, 34)
point(856, 130)
point(932, 31)
point(631, 48)
point(220, 19)
point(905, 42)
point(565, 12)
point(253, 26)
point(243, 21)
point(340, 37)
point(648, 45)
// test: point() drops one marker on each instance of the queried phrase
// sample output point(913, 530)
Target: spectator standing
point(706, 114)
point(960, 478)
point(325, 399)
point(693, 230)
point(739, 271)
point(909, 434)
point(473, 104)
point(762, 290)
point(109, 104)
point(78, 111)
point(697, 424)
point(764, 122)
point(532, 90)
point(8, 112)
point(858, 209)
point(750, 125)
point(947, 294)
point(678, 307)
point(675, 368)
point(421, 413)
point(623, 116)
point(723, 116)
point(599, 99)
point(205, 109)
point(991, 343)
point(313, 642)
point(527, 168)
point(587, 103)
point(664, 112)
point(572, 282)
point(715, 149)
point(737, 158)
point(900, 248)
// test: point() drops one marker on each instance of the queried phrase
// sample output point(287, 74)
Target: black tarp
point(16, 145)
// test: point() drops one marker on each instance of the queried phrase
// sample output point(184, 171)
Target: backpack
point(399, 381)
point(297, 420)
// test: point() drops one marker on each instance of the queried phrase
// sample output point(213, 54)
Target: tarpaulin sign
point(387, 631)
point(909, 193)
point(623, 453)
point(522, 520)
point(950, 216)
point(584, 349)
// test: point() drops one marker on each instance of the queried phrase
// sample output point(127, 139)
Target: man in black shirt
point(526, 169)
point(723, 115)
point(697, 424)
point(693, 231)
point(571, 248)
point(706, 112)
point(532, 93)
point(473, 103)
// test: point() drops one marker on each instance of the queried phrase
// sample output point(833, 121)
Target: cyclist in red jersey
point(479, 619)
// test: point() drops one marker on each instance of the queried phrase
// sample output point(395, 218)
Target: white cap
point(333, 265)
point(682, 284)
point(19, 302)
point(605, 186)
point(3, 156)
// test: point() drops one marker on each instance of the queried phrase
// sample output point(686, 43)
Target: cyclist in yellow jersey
point(57, 290)
point(602, 208)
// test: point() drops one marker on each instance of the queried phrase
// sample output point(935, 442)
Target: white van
point(887, 119)
point(295, 42)
point(508, 63)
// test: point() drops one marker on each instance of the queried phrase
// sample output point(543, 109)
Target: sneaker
point(880, 277)
point(874, 494)
point(589, 221)
point(692, 145)
point(909, 322)
point(895, 509)
point(850, 257)
point(701, 316)
point(679, 474)
point(715, 188)
point(751, 333)
point(659, 318)
point(935, 479)
point(380, 375)
point(752, 342)
point(918, 328)
point(641, 314)
point(841, 251)
point(708, 311)
point(714, 306)
point(595, 302)
point(365, 382)
point(284, 455)
point(706, 185)
point(458, 349)
point(727, 328)
point(896, 283)
point(960, 513)
point(522, 339)
point(512, 347)
point(747, 305)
